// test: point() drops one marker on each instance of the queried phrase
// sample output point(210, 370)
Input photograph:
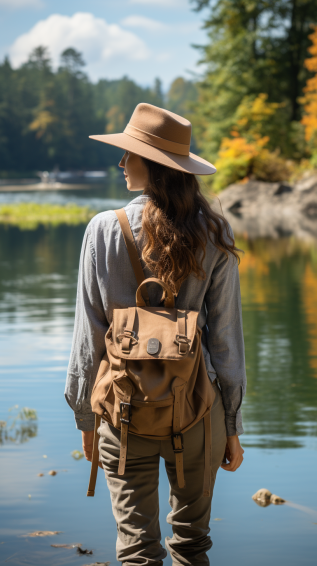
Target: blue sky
point(143, 39)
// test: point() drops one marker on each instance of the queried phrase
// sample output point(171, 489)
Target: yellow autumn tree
point(244, 155)
point(309, 100)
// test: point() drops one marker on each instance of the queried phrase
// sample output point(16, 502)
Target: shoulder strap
point(132, 250)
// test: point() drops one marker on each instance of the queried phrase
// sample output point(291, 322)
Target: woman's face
point(135, 171)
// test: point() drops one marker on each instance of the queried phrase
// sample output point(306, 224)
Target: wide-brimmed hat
point(161, 136)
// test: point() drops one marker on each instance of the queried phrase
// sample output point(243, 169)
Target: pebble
point(264, 497)
point(276, 500)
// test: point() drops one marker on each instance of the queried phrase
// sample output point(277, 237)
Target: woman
point(184, 243)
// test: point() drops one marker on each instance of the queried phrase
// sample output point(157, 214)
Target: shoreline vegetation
point(257, 123)
point(30, 215)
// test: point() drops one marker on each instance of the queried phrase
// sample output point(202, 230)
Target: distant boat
point(55, 176)
point(95, 174)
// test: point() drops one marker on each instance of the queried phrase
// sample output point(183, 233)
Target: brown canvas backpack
point(152, 381)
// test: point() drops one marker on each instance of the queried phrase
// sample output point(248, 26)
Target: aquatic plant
point(29, 215)
point(20, 425)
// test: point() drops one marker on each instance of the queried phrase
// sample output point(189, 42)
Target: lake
point(38, 278)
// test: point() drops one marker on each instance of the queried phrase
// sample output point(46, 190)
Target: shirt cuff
point(85, 422)
point(234, 424)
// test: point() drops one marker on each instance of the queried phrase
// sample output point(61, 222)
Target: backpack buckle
point(177, 442)
point(183, 343)
point(125, 412)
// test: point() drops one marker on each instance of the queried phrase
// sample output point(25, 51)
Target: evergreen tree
point(46, 116)
point(255, 47)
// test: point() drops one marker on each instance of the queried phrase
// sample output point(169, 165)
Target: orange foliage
point(231, 148)
point(309, 100)
point(254, 272)
point(309, 290)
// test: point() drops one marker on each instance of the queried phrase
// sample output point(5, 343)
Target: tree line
point(254, 109)
point(46, 116)
point(250, 117)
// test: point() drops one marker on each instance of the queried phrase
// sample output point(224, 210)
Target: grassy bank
point(30, 215)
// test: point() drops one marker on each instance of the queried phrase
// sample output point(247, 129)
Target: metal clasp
point(180, 442)
point(180, 340)
point(125, 418)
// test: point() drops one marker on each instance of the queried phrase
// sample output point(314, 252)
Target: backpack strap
point(125, 417)
point(177, 437)
point(95, 460)
point(132, 251)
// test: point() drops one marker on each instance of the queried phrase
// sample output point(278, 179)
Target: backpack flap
point(154, 333)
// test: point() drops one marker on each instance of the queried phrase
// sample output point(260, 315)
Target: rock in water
point(276, 500)
point(262, 495)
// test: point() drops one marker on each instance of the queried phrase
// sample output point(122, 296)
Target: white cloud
point(99, 41)
point(13, 4)
point(144, 23)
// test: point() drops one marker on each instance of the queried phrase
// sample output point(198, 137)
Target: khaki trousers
point(135, 500)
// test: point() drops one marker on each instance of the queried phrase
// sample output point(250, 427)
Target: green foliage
point(254, 47)
point(241, 160)
point(181, 95)
point(246, 154)
point(46, 116)
point(181, 99)
point(28, 216)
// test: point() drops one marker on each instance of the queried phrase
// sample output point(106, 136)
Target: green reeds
point(29, 215)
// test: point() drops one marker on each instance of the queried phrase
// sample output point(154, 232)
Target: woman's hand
point(88, 442)
point(234, 454)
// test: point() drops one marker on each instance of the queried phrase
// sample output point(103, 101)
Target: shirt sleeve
point(225, 338)
point(88, 346)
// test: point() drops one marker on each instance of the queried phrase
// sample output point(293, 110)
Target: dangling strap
point(207, 472)
point(125, 417)
point(132, 251)
point(177, 437)
point(94, 460)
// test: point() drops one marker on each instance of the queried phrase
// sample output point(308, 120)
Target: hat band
point(155, 141)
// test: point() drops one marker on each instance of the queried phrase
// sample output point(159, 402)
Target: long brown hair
point(176, 223)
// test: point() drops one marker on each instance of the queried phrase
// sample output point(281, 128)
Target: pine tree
point(255, 47)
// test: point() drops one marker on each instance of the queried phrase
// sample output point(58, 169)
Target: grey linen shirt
point(106, 282)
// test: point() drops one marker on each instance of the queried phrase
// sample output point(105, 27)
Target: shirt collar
point(140, 199)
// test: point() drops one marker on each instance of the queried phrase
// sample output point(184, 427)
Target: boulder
point(272, 210)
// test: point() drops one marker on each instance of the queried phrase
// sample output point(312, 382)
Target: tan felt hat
point(161, 136)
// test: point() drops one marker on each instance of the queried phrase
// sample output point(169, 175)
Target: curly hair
point(176, 223)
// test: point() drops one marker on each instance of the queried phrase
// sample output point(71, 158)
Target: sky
point(142, 39)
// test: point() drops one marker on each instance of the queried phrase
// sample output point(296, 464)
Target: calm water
point(38, 271)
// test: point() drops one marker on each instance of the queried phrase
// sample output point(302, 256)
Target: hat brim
point(187, 163)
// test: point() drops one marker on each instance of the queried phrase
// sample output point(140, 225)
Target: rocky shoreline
point(272, 210)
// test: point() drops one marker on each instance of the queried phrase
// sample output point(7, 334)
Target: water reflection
point(38, 277)
point(279, 296)
point(20, 425)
